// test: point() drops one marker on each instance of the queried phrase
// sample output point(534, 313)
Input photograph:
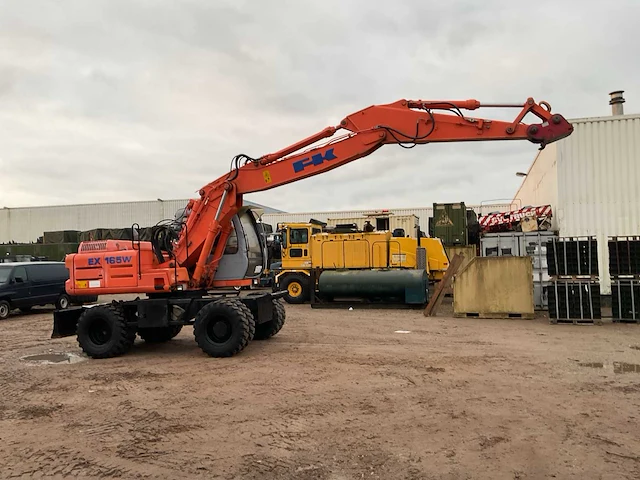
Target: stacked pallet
point(624, 269)
point(574, 293)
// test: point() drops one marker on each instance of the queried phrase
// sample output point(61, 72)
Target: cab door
point(297, 251)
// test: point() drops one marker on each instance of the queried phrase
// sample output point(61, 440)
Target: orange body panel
point(118, 266)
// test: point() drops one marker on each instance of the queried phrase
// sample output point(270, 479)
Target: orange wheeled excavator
point(216, 243)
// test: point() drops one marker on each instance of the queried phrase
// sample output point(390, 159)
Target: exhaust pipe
point(616, 102)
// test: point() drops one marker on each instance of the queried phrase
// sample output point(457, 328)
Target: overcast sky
point(136, 100)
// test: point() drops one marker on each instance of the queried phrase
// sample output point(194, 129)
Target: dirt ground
point(336, 395)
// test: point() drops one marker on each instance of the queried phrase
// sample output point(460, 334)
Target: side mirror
point(19, 280)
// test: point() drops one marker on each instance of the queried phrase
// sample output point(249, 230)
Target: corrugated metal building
point(591, 180)
point(26, 224)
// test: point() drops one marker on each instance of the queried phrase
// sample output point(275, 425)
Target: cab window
point(298, 236)
point(232, 242)
point(5, 273)
point(20, 273)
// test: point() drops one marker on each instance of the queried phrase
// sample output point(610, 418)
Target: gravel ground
point(377, 394)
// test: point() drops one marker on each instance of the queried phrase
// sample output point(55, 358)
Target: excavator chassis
point(223, 324)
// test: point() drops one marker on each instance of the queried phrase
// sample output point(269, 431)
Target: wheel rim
point(100, 332)
point(64, 303)
point(294, 289)
point(219, 330)
point(4, 311)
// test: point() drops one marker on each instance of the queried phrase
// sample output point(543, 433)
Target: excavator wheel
point(224, 328)
point(103, 332)
point(159, 334)
point(297, 288)
point(273, 326)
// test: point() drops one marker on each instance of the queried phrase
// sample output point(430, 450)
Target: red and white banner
point(504, 218)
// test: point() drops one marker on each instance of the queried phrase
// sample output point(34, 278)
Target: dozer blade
point(65, 322)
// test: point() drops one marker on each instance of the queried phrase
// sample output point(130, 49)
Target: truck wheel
point(63, 302)
point(159, 334)
point(224, 328)
point(273, 326)
point(5, 309)
point(103, 332)
point(297, 288)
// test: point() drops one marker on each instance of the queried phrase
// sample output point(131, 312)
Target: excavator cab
point(245, 255)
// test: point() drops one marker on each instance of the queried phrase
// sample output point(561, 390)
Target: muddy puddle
point(53, 358)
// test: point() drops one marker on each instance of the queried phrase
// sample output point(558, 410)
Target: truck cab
point(296, 244)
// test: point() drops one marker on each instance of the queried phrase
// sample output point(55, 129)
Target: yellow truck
point(308, 246)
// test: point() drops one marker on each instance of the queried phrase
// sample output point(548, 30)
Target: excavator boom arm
point(402, 122)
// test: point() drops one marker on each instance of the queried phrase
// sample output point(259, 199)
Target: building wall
point(540, 186)
point(598, 182)
point(591, 179)
point(28, 223)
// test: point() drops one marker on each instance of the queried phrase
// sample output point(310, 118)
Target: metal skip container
point(521, 244)
point(403, 286)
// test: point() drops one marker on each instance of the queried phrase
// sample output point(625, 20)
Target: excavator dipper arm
point(405, 122)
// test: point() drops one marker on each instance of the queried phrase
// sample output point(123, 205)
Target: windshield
point(5, 272)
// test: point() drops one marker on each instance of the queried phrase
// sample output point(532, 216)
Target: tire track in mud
point(64, 462)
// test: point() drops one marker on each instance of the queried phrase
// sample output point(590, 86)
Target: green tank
point(404, 286)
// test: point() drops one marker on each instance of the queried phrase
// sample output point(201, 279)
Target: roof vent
point(616, 102)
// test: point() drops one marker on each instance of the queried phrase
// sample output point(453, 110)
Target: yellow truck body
point(306, 247)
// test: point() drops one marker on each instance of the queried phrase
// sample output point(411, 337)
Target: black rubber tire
point(63, 302)
point(269, 329)
point(159, 334)
point(25, 309)
point(303, 282)
point(5, 309)
point(234, 322)
point(103, 332)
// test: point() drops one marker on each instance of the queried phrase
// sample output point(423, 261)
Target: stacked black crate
point(624, 269)
point(574, 293)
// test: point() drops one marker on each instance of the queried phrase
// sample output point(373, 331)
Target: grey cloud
point(126, 100)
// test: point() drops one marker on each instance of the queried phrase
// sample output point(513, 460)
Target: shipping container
point(450, 223)
point(52, 251)
point(591, 181)
point(520, 244)
point(62, 236)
